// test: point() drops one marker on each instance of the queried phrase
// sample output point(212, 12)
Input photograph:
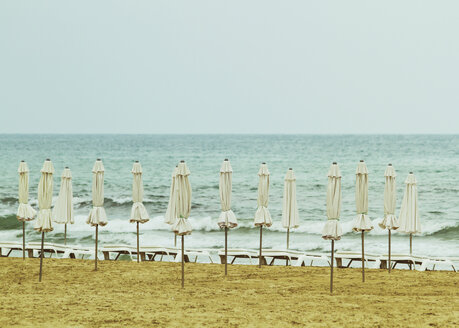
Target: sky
point(242, 66)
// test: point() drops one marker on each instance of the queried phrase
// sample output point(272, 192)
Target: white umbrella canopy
point(171, 215)
point(409, 214)
point(138, 212)
point(45, 198)
point(290, 215)
point(332, 229)
point(63, 209)
point(262, 215)
point(25, 211)
point(182, 207)
point(97, 215)
point(182, 201)
point(389, 221)
point(362, 222)
point(227, 217)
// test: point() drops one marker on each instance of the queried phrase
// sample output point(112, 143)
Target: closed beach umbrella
point(362, 222)
point(25, 211)
point(138, 212)
point(290, 216)
point(389, 221)
point(63, 209)
point(183, 207)
point(332, 229)
point(171, 215)
point(262, 215)
point(409, 214)
point(227, 218)
point(97, 216)
point(45, 197)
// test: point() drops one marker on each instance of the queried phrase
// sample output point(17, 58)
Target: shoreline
point(149, 294)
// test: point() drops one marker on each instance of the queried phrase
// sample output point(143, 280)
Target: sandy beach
point(148, 294)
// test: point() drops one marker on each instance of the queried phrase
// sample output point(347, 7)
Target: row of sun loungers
point(269, 256)
point(33, 250)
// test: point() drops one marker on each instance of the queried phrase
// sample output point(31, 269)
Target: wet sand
point(148, 294)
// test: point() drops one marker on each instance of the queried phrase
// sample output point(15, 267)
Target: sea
point(434, 159)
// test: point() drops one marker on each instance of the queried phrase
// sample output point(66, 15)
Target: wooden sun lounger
point(311, 257)
point(151, 252)
point(118, 250)
point(10, 246)
point(286, 255)
point(413, 260)
point(352, 256)
point(193, 252)
point(67, 251)
point(240, 254)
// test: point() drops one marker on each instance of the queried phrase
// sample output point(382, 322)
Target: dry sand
point(149, 294)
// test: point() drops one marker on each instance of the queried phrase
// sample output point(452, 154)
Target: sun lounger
point(287, 255)
point(311, 257)
point(193, 252)
point(118, 250)
point(239, 254)
point(33, 249)
point(151, 252)
point(352, 256)
point(9, 247)
point(424, 263)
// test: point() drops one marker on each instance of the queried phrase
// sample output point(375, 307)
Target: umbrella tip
point(98, 159)
point(66, 167)
point(226, 159)
point(334, 163)
point(290, 169)
point(263, 163)
point(361, 161)
point(411, 172)
point(22, 161)
point(389, 164)
point(182, 161)
point(136, 161)
point(48, 159)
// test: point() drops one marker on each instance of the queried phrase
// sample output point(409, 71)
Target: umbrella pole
point(363, 256)
point(183, 261)
point(261, 239)
point(41, 255)
point(332, 262)
point(175, 240)
point(95, 252)
point(390, 263)
point(138, 242)
point(23, 240)
point(411, 246)
point(226, 250)
point(288, 239)
point(65, 234)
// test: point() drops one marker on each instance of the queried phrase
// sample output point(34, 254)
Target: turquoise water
point(434, 160)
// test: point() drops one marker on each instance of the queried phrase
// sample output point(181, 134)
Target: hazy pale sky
point(229, 66)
